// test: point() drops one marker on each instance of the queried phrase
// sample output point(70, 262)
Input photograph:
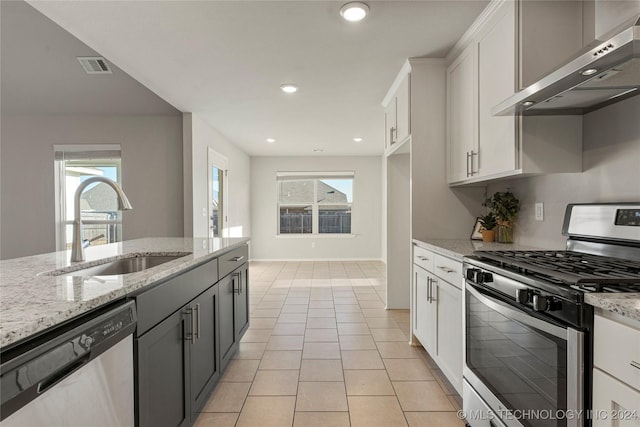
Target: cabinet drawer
point(159, 302)
point(423, 258)
point(232, 260)
point(448, 269)
point(616, 350)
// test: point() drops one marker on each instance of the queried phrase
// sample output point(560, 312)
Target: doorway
point(218, 167)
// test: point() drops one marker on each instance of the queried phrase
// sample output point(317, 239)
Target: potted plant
point(505, 207)
point(488, 223)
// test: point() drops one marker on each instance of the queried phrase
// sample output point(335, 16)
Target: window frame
point(315, 177)
point(60, 190)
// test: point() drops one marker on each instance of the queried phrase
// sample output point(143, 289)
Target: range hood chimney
point(602, 75)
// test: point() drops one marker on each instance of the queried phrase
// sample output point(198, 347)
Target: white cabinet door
point(403, 123)
point(496, 82)
point(461, 114)
point(426, 311)
point(450, 332)
point(614, 403)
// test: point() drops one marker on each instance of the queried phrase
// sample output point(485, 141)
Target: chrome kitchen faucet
point(77, 249)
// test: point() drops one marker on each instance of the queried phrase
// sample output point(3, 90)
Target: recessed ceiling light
point(354, 11)
point(318, 150)
point(589, 72)
point(289, 88)
point(527, 103)
point(271, 140)
point(357, 139)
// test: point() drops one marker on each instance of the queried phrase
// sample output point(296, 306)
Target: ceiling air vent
point(94, 64)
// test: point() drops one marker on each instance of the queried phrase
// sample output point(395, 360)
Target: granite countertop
point(458, 248)
point(627, 305)
point(31, 302)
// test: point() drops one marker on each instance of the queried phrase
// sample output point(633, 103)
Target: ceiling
point(225, 61)
point(41, 76)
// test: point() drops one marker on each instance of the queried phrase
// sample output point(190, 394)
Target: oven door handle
point(520, 316)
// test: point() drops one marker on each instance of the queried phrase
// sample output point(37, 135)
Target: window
point(314, 203)
point(102, 221)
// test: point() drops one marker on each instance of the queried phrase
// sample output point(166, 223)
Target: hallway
point(322, 351)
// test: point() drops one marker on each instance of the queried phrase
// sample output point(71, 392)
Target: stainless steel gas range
point(528, 331)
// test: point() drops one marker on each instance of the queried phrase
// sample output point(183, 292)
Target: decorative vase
point(505, 232)
point(488, 235)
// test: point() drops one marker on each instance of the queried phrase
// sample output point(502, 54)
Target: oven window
point(524, 367)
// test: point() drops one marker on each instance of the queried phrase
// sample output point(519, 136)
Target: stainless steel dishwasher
point(79, 374)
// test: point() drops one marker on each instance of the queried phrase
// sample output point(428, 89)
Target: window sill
point(315, 236)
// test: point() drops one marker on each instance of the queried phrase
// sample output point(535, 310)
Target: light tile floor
point(323, 351)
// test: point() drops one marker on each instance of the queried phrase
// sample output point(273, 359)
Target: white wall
point(611, 173)
point(198, 137)
point(151, 175)
point(366, 212)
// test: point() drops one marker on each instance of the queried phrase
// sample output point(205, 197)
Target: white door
point(217, 194)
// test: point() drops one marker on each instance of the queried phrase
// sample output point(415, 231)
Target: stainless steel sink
point(131, 264)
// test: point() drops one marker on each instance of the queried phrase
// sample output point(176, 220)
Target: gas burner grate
point(569, 268)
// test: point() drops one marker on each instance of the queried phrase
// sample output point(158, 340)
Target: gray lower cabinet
point(204, 367)
point(234, 312)
point(178, 365)
point(162, 383)
point(189, 329)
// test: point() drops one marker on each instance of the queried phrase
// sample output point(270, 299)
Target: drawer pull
point(237, 258)
point(423, 258)
point(445, 269)
point(635, 364)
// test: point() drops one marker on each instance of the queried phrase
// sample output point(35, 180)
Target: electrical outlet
point(540, 211)
point(204, 211)
point(313, 245)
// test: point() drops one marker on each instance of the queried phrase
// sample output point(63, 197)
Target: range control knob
point(478, 276)
point(523, 296)
point(541, 303)
point(472, 274)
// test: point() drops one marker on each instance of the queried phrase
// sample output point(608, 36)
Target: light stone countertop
point(31, 302)
point(627, 305)
point(458, 248)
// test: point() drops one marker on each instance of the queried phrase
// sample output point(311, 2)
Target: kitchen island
point(31, 301)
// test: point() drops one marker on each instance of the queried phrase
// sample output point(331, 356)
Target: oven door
point(527, 370)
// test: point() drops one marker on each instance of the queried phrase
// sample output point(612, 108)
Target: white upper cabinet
point(488, 65)
point(496, 81)
point(461, 115)
point(397, 113)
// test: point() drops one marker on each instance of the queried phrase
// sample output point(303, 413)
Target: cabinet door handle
point(468, 169)
point(392, 132)
point(238, 275)
point(429, 290)
point(197, 321)
point(635, 364)
point(423, 258)
point(473, 170)
point(235, 278)
point(237, 258)
point(191, 335)
point(433, 290)
point(445, 269)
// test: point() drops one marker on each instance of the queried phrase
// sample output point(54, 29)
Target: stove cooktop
point(579, 271)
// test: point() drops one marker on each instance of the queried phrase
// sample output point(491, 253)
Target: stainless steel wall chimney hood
point(606, 73)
